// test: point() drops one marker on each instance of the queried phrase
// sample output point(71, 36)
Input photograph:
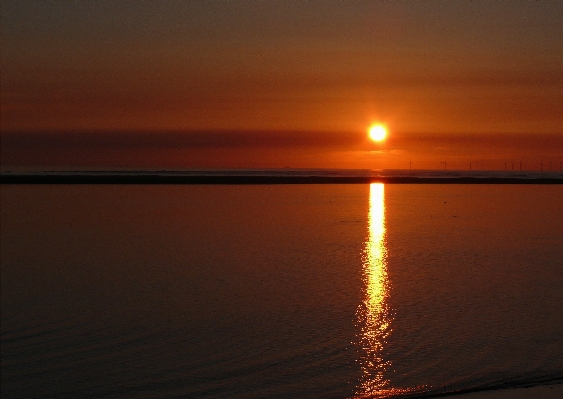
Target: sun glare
point(377, 132)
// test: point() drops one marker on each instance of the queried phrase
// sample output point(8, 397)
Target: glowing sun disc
point(377, 132)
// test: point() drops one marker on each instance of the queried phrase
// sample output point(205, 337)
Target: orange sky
point(459, 81)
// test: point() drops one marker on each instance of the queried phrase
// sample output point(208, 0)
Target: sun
point(377, 132)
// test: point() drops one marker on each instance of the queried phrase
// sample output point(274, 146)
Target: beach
point(538, 392)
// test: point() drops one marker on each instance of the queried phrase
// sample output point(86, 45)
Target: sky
point(260, 84)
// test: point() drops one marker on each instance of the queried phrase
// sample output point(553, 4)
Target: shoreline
point(155, 178)
point(554, 391)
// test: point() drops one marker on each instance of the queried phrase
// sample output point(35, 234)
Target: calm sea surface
point(305, 291)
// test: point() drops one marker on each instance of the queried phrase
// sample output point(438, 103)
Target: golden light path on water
point(373, 314)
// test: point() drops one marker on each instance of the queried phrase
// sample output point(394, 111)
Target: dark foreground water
point(321, 291)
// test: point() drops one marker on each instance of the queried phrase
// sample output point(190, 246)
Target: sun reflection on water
point(373, 313)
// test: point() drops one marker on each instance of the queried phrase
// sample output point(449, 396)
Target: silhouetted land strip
point(109, 178)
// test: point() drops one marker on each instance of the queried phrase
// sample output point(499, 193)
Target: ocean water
point(324, 291)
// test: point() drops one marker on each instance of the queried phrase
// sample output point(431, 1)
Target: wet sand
point(538, 392)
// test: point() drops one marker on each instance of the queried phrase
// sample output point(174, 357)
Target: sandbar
point(155, 178)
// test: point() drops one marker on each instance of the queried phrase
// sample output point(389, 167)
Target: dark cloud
point(97, 148)
point(186, 139)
